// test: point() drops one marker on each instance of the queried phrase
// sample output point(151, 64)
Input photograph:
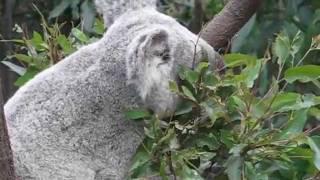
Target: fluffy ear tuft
point(146, 46)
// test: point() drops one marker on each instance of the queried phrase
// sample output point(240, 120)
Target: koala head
point(152, 61)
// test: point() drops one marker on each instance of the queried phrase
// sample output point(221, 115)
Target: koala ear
point(146, 46)
point(153, 43)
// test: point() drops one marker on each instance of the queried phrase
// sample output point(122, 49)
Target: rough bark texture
point(229, 21)
point(6, 163)
point(197, 19)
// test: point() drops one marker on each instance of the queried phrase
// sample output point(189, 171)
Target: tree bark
point(219, 31)
point(6, 89)
point(6, 162)
point(197, 18)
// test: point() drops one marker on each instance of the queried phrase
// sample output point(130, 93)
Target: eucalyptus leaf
point(30, 73)
point(281, 48)
point(234, 60)
point(15, 68)
point(80, 35)
point(59, 9)
point(188, 93)
point(305, 73)
point(138, 113)
point(296, 123)
point(314, 143)
point(234, 167)
point(65, 44)
point(88, 15)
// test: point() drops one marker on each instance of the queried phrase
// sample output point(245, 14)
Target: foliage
point(47, 48)
point(80, 9)
point(226, 129)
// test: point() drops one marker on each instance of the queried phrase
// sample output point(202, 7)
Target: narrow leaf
point(314, 143)
point(135, 114)
point(15, 68)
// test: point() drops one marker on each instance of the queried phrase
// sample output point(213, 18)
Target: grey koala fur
point(67, 122)
point(112, 9)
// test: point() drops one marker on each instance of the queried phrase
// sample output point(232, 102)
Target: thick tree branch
point(197, 19)
point(6, 162)
point(229, 21)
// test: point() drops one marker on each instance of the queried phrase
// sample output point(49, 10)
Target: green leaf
point(141, 162)
point(166, 139)
point(192, 76)
point(234, 60)
point(297, 43)
point(251, 74)
point(283, 101)
point(189, 174)
point(182, 72)
point(98, 26)
point(226, 138)
point(162, 170)
point(213, 110)
point(75, 9)
point(208, 140)
point(188, 93)
point(315, 112)
point(251, 172)
point(281, 48)
point(24, 58)
point(173, 86)
point(234, 167)
point(65, 44)
point(59, 9)
point(240, 104)
point(296, 123)
point(30, 73)
point(138, 113)
point(87, 15)
point(201, 66)
point(210, 81)
point(37, 41)
point(314, 143)
point(18, 41)
point(292, 101)
point(184, 108)
point(80, 35)
point(243, 34)
point(305, 73)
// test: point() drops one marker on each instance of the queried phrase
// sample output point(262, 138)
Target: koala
point(67, 122)
point(112, 9)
